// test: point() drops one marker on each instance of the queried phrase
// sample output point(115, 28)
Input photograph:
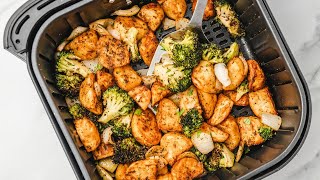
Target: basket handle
point(24, 23)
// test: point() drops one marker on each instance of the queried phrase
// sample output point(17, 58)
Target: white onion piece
point(114, 33)
point(62, 45)
point(103, 22)
point(202, 141)
point(168, 24)
point(127, 12)
point(91, 64)
point(221, 72)
point(106, 136)
point(182, 23)
point(271, 120)
point(76, 32)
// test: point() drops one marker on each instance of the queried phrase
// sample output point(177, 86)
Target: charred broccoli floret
point(242, 89)
point(118, 103)
point(120, 131)
point(69, 85)
point(265, 132)
point(210, 161)
point(185, 52)
point(202, 157)
point(128, 151)
point(232, 52)
point(212, 53)
point(191, 122)
point(177, 79)
point(67, 64)
point(228, 17)
point(130, 38)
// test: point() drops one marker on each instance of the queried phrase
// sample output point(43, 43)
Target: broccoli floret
point(265, 132)
point(191, 122)
point(228, 17)
point(212, 53)
point(242, 89)
point(202, 157)
point(67, 64)
point(185, 52)
point(69, 85)
point(227, 157)
point(210, 161)
point(232, 52)
point(130, 38)
point(128, 151)
point(120, 131)
point(118, 103)
point(176, 79)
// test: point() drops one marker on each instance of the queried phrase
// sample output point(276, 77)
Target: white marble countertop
point(30, 148)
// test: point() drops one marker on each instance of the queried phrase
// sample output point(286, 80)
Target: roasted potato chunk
point(167, 116)
point(222, 110)
point(103, 151)
point(230, 126)
point(88, 96)
point(88, 133)
point(208, 102)
point(158, 92)
point(85, 45)
point(105, 80)
point(143, 169)
point(216, 134)
point(203, 77)
point(129, 22)
point(190, 100)
point(175, 144)
point(236, 71)
point(145, 129)
point(167, 176)
point(243, 101)
point(147, 47)
point(126, 77)
point(209, 12)
point(121, 172)
point(256, 78)
point(187, 168)
point(261, 102)
point(249, 130)
point(152, 14)
point(141, 95)
point(175, 9)
point(112, 52)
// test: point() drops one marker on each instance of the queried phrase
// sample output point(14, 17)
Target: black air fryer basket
point(37, 28)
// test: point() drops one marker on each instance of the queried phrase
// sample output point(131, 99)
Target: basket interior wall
point(258, 43)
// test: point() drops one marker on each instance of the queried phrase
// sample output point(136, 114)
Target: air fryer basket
point(36, 29)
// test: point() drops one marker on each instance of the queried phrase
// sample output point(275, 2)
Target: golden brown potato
point(112, 52)
point(208, 102)
point(187, 154)
point(145, 129)
point(103, 151)
point(175, 144)
point(167, 116)
point(152, 14)
point(187, 168)
point(88, 96)
point(236, 72)
point(85, 45)
point(216, 134)
point(126, 77)
point(243, 101)
point(143, 169)
point(88, 133)
point(174, 9)
point(249, 130)
point(105, 80)
point(121, 172)
point(203, 77)
point(147, 47)
point(163, 171)
point(167, 176)
point(219, 87)
point(141, 95)
point(222, 110)
point(230, 126)
point(209, 12)
point(123, 24)
point(158, 92)
point(261, 102)
point(256, 78)
point(190, 100)
point(176, 98)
